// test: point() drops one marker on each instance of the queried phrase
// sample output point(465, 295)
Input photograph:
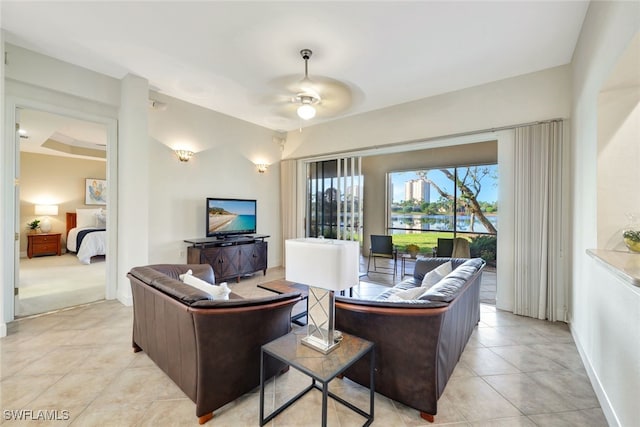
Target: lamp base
point(319, 345)
point(45, 225)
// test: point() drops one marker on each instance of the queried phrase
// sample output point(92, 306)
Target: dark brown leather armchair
point(210, 349)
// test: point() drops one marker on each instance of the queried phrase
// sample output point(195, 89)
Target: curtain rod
point(416, 141)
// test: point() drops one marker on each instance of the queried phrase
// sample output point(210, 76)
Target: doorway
point(58, 157)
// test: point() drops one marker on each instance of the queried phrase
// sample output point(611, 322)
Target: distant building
point(417, 190)
point(353, 191)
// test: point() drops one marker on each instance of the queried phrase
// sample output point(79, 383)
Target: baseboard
point(3, 330)
point(126, 300)
point(601, 394)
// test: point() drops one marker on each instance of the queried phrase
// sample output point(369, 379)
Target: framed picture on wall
point(95, 192)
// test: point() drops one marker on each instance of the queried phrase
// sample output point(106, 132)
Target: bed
point(92, 239)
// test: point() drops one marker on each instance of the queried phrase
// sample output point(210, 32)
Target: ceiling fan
point(316, 96)
point(308, 98)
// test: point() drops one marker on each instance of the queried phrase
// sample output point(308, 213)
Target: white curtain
point(350, 185)
point(288, 200)
point(540, 229)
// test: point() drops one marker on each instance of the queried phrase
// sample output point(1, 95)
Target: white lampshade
point(46, 210)
point(306, 112)
point(326, 266)
point(323, 263)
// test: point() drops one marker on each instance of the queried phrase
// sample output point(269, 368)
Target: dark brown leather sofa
point(418, 342)
point(210, 349)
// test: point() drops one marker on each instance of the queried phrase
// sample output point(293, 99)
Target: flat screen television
point(227, 217)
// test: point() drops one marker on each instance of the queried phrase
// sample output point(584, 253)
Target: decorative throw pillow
point(217, 292)
point(101, 219)
point(188, 273)
point(410, 294)
point(435, 275)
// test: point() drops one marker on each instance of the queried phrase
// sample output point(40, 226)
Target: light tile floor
point(515, 371)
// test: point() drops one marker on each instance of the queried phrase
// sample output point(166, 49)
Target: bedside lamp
point(45, 223)
point(326, 266)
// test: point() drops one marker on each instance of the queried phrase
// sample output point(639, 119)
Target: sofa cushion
point(447, 288)
point(468, 268)
point(435, 275)
point(216, 292)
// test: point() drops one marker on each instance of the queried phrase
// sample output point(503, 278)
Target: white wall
point(605, 310)
point(226, 150)
point(618, 160)
point(133, 177)
point(537, 96)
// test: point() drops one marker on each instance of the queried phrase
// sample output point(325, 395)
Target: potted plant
point(632, 240)
point(33, 226)
point(412, 250)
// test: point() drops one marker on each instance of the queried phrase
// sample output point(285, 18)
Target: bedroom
point(62, 164)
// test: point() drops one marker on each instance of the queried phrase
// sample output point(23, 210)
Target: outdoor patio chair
point(382, 247)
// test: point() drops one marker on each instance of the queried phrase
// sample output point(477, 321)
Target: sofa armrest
point(406, 350)
point(229, 340)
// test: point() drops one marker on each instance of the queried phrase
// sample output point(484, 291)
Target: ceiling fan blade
point(335, 97)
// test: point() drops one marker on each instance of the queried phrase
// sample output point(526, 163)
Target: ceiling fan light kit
point(306, 110)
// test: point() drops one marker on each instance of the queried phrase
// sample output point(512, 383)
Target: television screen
point(230, 216)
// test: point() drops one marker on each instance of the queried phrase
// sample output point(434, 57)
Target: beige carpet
point(53, 282)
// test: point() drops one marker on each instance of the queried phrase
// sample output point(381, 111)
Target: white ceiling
point(56, 135)
point(232, 57)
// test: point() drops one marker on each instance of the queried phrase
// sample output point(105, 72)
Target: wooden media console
point(231, 257)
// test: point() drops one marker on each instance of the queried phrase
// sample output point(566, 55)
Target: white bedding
point(92, 245)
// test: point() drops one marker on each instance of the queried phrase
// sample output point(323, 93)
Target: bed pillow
point(435, 275)
point(217, 292)
point(86, 217)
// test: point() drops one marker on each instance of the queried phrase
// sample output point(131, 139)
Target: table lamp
point(46, 210)
point(326, 266)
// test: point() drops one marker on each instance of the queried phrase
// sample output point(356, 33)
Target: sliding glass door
point(334, 199)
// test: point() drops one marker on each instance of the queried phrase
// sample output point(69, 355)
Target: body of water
point(240, 223)
point(439, 222)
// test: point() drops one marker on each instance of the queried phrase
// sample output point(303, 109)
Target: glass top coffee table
point(322, 368)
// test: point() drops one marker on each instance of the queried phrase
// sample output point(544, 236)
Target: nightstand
point(43, 244)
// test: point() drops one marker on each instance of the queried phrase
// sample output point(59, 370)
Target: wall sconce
point(184, 155)
point(45, 223)
point(262, 167)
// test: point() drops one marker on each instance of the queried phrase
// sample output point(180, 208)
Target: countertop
point(624, 264)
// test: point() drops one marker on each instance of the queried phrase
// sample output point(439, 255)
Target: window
point(444, 202)
point(334, 194)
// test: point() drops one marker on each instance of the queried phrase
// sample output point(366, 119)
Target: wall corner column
point(505, 292)
point(133, 181)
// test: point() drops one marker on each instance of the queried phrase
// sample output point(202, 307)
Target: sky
point(489, 192)
point(239, 207)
